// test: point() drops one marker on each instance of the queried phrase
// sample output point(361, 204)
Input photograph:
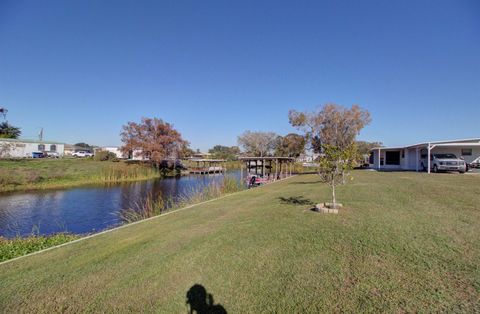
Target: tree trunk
point(334, 200)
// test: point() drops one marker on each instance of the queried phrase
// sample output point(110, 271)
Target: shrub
point(11, 248)
point(104, 156)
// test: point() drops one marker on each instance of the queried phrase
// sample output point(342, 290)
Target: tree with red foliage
point(152, 139)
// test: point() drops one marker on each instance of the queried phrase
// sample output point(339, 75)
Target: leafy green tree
point(291, 145)
point(225, 152)
point(334, 164)
point(9, 131)
point(83, 146)
point(365, 147)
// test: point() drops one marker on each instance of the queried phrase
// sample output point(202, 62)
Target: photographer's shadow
point(201, 302)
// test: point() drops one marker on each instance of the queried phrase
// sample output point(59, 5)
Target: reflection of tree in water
point(202, 302)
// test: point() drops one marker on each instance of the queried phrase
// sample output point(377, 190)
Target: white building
point(417, 156)
point(307, 157)
point(20, 148)
point(115, 150)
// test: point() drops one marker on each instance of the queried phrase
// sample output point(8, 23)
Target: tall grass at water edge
point(153, 206)
point(124, 172)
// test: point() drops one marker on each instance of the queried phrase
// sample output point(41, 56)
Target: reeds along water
point(128, 172)
point(152, 206)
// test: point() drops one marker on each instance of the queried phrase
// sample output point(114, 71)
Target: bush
point(11, 248)
point(104, 156)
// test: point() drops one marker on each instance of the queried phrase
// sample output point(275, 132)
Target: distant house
point(416, 157)
point(200, 155)
point(22, 148)
point(136, 154)
point(307, 157)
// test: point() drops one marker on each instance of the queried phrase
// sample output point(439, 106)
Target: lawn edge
point(138, 222)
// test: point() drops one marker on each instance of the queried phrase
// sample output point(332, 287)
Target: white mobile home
point(18, 148)
point(416, 157)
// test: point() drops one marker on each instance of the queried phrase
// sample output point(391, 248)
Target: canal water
point(87, 209)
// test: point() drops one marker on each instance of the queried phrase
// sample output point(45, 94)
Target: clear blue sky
point(82, 69)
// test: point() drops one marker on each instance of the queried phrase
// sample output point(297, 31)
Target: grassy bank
point(405, 242)
point(27, 174)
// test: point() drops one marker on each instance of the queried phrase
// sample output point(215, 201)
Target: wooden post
point(276, 169)
point(270, 171)
point(241, 172)
point(263, 168)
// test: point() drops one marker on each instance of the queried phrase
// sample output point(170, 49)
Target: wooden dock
point(263, 170)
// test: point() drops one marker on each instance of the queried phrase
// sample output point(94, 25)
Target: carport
point(416, 157)
point(431, 146)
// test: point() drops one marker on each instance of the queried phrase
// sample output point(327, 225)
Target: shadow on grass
point(308, 182)
point(202, 302)
point(296, 200)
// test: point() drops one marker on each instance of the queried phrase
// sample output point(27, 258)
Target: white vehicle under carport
point(445, 162)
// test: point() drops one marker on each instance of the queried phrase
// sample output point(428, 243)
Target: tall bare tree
point(332, 131)
point(331, 124)
point(152, 139)
point(258, 143)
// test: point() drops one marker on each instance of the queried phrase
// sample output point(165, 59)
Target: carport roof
point(458, 143)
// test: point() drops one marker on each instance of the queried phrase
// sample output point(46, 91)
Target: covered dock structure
point(266, 169)
point(206, 166)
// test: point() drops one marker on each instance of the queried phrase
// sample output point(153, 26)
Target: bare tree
point(258, 143)
point(332, 131)
point(332, 124)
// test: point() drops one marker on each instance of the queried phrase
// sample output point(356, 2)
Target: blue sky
point(82, 69)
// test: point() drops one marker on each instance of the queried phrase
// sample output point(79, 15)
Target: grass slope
point(27, 174)
point(405, 242)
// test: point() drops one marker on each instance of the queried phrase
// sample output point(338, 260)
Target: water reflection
point(86, 209)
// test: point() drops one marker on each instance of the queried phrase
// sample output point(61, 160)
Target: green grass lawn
point(25, 174)
point(405, 242)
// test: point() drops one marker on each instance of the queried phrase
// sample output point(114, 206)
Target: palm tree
point(9, 131)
